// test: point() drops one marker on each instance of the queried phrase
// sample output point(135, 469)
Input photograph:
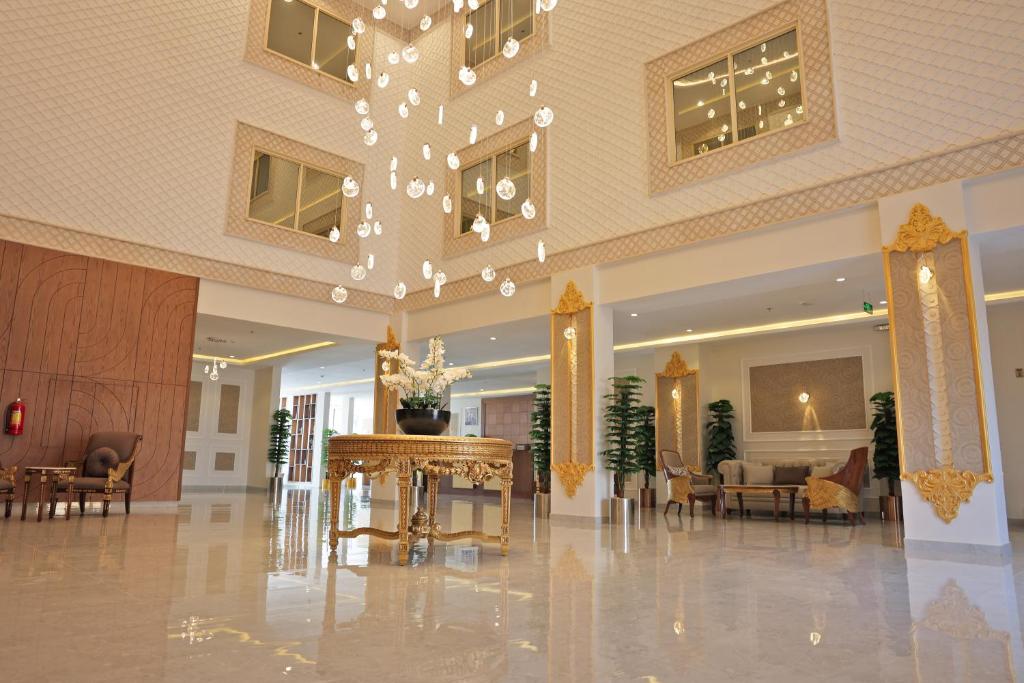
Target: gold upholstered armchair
point(840, 490)
point(7, 487)
point(685, 483)
point(107, 469)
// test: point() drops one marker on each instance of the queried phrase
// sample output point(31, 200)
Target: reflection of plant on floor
point(540, 437)
point(887, 450)
point(280, 440)
point(621, 422)
point(721, 443)
point(324, 449)
point(645, 448)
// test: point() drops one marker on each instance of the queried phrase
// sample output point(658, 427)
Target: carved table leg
point(775, 500)
point(42, 496)
point(24, 500)
point(432, 481)
point(335, 503)
point(71, 492)
point(807, 509)
point(792, 505)
point(404, 481)
point(506, 508)
point(739, 500)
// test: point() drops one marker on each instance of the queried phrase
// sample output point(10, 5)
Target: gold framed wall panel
point(248, 139)
point(572, 390)
point(810, 17)
point(385, 401)
point(498, 64)
point(940, 404)
point(836, 390)
point(257, 52)
point(511, 228)
point(677, 412)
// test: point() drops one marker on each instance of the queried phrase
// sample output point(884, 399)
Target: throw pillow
point(757, 474)
point(792, 474)
point(822, 470)
point(100, 460)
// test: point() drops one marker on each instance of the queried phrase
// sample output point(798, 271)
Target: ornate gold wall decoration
point(677, 419)
point(385, 402)
point(572, 389)
point(936, 363)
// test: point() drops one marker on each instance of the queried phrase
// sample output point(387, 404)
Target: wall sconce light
point(804, 397)
point(676, 393)
point(570, 333)
point(925, 275)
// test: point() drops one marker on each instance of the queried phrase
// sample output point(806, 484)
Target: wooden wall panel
point(92, 345)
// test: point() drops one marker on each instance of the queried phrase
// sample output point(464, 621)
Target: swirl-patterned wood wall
point(92, 345)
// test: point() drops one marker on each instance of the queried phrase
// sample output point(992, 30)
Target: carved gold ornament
point(392, 343)
point(946, 488)
point(824, 494)
point(571, 474)
point(572, 301)
point(922, 232)
point(676, 367)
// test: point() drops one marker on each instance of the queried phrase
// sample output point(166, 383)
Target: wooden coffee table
point(773, 490)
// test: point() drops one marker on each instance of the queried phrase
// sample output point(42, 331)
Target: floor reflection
point(231, 587)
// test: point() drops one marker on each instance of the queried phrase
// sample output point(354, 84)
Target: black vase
point(423, 421)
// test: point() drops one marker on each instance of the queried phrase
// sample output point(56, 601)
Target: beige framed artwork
point(755, 90)
point(309, 41)
point(936, 361)
point(807, 397)
point(288, 194)
point(480, 39)
point(473, 189)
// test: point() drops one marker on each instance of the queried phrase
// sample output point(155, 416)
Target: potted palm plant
point(423, 410)
point(277, 452)
point(887, 453)
point(621, 436)
point(540, 447)
point(721, 442)
point(646, 455)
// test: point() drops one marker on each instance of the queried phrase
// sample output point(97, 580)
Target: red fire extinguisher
point(15, 423)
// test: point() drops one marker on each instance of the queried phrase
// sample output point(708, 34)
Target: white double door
point(217, 428)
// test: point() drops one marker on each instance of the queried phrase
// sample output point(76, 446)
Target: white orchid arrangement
point(422, 386)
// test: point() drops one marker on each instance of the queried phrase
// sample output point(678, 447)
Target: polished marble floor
point(227, 587)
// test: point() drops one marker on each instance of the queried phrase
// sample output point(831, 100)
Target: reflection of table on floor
point(381, 454)
point(773, 490)
point(48, 478)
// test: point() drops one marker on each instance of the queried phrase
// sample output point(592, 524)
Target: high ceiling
point(401, 15)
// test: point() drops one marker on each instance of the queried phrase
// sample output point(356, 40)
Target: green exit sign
point(868, 308)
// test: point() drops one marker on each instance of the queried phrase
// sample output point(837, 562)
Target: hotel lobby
point(512, 340)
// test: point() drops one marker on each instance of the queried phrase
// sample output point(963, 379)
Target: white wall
point(1006, 337)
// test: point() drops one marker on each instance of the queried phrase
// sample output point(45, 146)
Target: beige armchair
point(107, 469)
point(685, 483)
point(7, 487)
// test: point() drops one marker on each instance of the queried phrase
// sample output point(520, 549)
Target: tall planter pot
point(541, 504)
point(891, 508)
point(276, 489)
point(621, 510)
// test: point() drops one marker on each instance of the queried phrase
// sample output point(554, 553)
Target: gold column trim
point(572, 301)
point(946, 488)
point(571, 474)
point(392, 343)
point(676, 367)
point(923, 232)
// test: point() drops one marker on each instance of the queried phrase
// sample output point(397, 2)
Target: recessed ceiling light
point(230, 356)
point(494, 339)
point(689, 330)
point(883, 302)
point(450, 363)
point(840, 279)
point(321, 367)
point(633, 315)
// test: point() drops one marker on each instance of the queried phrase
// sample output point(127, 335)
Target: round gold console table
point(378, 455)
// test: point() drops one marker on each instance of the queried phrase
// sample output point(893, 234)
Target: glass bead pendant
point(410, 53)
point(499, 118)
point(378, 229)
point(473, 130)
point(351, 42)
point(439, 276)
point(487, 273)
point(428, 270)
point(446, 203)
point(400, 291)
point(485, 234)
point(335, 234)
point(548, 5)
point(383, 80)
point(528, 209)
point(363, 229)
point(479, 223)
point(370, 261)
point(394, 164)
point(543, 117)
point(379, 12)
point(453, 161)
point(349, 187)
point(533, 141)
point(353, 74)
point(339, 294)
point(411, 4)
point(480, 185)
point(469, 31)
point(394, 57)
point(394, 180)
point(507, 288)
point(426, 151)
point(541, 251)
point(358, 26)
point(415, 188)
point(533, 88)
point(362, 107)
point(437, 289)
point(426, 22)
point(370, 139)
point(403, 110)
point(505, 188)
point(467, 76)
point(430, 189)
point(366, 123)
point(414, 97)
point(511, 48)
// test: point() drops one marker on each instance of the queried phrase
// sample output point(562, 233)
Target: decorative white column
point(942, 372)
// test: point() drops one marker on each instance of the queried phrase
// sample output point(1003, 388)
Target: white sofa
point(755, 471)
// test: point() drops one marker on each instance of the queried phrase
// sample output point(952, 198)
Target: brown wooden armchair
point(686, 484)
point(107, 468)
point(7, 488)
point(840, 490)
